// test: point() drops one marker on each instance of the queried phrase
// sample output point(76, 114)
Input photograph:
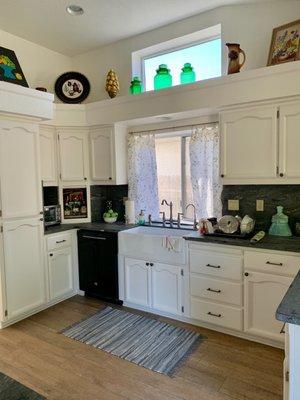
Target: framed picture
point(285, 45)
point(10, 70)
point(72, 87)
point(75, 203)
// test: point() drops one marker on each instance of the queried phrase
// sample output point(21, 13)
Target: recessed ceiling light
point(73, 9)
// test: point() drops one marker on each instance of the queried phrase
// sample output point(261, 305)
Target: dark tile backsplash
point(100, 194)
point(287, 196)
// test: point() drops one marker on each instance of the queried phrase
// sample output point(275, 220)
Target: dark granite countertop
point(268, 242)
point(289, 308)
point(92, 226)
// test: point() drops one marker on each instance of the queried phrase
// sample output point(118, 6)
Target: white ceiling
point(105, 21)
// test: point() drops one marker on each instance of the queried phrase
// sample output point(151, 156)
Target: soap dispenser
point(141, 219)
point(280, 226)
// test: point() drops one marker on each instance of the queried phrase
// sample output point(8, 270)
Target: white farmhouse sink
point(147, 243)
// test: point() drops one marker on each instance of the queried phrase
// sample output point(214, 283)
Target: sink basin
point(146, 242)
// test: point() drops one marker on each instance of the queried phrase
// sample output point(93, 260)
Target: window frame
point(203, 36)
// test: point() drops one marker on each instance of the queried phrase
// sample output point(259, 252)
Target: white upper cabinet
point(48, 153)
point(249, 145)
point(101, 146)
point(24, 266)
point(289, 142)
point(73, 154)
point(21, 185)
point(108, 154)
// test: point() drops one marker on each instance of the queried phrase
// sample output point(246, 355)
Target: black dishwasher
point(98, 264)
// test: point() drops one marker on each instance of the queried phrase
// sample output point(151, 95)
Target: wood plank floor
point(222, 368)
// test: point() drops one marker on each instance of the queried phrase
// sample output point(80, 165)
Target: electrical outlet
point(233, 205)
point(260, 205)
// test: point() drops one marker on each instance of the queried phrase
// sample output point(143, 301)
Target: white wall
point(40, 65)
point(250, 25)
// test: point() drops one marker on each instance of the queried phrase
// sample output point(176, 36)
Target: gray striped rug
point(142, 340)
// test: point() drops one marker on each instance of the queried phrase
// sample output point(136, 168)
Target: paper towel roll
point(129, 211)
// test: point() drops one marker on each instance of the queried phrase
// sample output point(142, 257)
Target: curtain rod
point(173, 128)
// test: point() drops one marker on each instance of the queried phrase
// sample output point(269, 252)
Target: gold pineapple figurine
point(112, 84)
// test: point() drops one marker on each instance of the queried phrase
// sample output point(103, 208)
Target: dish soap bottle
point(280, 226)
point(141, 219)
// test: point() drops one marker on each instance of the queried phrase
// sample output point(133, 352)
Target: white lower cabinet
point(137, 282)
point(154, 285)
point(263, 293)
point(60, 273)
point(24, 270)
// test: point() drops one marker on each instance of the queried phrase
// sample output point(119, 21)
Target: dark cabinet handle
point(282, 330)
point(60, 241)
point(94, 237)
point(214, 315)
point(85, 178)
point(51, 255)
point(222, 175)
point(272, 263)
point(213, 266)
point(147, 264)
point(110, 178)
point(246, 273)
point(213, 290)
point(41, 219)
point(281, 174)
point(151, 264)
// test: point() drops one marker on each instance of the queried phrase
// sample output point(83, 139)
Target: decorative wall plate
point(72, 87)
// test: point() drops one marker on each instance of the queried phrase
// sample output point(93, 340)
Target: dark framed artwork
point(72, 87)
point(285, 44)
point(75, 203)
point(10, 70)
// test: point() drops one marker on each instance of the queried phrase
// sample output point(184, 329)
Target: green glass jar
point(163, 78)
point(188, 74)
point(280, 226)
point(136, 86)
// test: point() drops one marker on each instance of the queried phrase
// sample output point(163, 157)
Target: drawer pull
point(213, 290)
point(213, 266)
point(60, 241)
point(214, 315)
point(282, 330)
point(272, 263)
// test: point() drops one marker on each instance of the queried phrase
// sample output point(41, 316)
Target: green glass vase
point(136, 86)
point(188, 74)
point(163, 78)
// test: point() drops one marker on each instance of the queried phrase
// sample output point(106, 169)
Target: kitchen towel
point(172, 243)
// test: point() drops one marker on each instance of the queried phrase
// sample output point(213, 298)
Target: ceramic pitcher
point(234, 52)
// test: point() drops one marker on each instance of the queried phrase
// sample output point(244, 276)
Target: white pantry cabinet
point(73, 154)
point(154, 285)
point(249, 144)
point(21, 185)
point(24, 272)
point(108, 155)
point(48, 151)
point(263, 294)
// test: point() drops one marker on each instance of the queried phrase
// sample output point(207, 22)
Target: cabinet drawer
point(279, 264)
point(59, 241)
point(215, 289)
point(219, 314)
point(220, 265)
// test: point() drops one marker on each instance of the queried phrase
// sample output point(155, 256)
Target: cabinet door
point(21, 188)
point(24, 266)
point(263, 293)
point(101, 145)
point(167, 288)
point(249, 145)
point(137, 282)
point(73, 155)
point(289, 142)
point(48, 155)
point(60, 273)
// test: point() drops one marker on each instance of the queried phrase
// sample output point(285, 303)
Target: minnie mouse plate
point(72, 87)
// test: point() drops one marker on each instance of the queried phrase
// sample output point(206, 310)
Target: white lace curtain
point(142, 174)
point(204, 167)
